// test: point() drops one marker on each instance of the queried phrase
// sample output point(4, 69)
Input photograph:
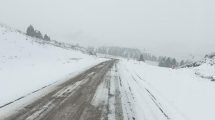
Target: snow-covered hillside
point(181, 92)
point(204, 68)
point(27, 64)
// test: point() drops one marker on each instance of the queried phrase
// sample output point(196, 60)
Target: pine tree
point(141, 58)
point(46, 37)
point(30, 31)
point(182, 63)
point(38, 34)
point(174, 62)
point(167, 62)
point(162, 62)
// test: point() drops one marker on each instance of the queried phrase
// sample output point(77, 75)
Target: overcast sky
point(164, 27)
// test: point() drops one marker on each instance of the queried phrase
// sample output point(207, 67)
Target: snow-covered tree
point(30, 31)
point(141, 58)
point(38, 34)
point(182, 63)
point(46, 37)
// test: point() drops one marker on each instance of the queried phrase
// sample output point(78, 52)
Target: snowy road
point(126, 95)
point(70, 100)
point(107, 91)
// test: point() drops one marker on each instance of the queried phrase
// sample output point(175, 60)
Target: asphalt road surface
point(72, 99)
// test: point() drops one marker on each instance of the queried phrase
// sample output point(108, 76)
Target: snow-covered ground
point(179, 93)
point(146, 91)
point(206, 69)
point(26, 65)
point(155, 63)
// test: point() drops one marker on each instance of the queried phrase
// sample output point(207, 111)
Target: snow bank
point(206, 69)
point(187, 94)
point(26, 65)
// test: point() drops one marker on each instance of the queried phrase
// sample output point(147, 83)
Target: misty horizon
point(168, 28)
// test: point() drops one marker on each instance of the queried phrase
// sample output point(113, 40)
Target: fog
point(163, 27)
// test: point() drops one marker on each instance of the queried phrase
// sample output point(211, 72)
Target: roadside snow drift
point(180, 93)
point(206, 68)
point(27, 65)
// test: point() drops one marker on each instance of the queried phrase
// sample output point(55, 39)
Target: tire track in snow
point(118, 103)
point(114, 105)
point(128, 99)
point(108, 96)
point(173, 112)
point(151, 96)
point(157, 104)
point(154, 100)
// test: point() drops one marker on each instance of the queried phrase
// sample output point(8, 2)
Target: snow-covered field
point(180, 93)
point(146, 91)
point(152, 62)
point(26, 65)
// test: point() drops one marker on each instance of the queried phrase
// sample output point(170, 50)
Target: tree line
point(170, 62)
point(129, 53)
point(136, 54)
point(36, 33)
